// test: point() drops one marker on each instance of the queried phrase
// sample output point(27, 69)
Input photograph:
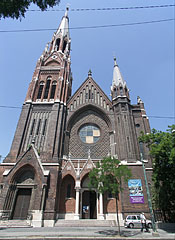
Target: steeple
point(117, 76)
point(55, 61)
point(61, 38)
point(118, 88)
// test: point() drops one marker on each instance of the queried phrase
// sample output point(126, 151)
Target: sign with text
point(135, 191)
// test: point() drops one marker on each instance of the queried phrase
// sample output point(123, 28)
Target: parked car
point(132, 221)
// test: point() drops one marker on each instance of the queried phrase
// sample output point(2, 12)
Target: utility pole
point(149, 197)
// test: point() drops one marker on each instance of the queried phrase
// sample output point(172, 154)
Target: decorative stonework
point(78, 149)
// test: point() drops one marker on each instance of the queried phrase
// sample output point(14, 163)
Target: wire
point(10, 107)
point(89, 27)
point(105, 9)
point(74, 111)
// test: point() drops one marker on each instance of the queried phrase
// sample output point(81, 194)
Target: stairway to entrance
point(85, 223)
point(14, 224)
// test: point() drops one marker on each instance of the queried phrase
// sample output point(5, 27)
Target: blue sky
point(145, 54)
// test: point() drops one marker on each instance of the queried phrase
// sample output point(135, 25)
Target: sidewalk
point(99, 233)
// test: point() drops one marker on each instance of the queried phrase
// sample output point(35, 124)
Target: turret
point(118, 88)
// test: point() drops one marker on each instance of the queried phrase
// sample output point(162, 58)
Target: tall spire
point(118, 88)
point(63, 30)
point(61, 38)
point(57, 54)
point(117, 77)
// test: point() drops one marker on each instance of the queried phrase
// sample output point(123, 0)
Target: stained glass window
point(89, 134)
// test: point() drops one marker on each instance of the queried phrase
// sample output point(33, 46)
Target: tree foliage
point(108, 176)
point(162, 150)
point(17, 8)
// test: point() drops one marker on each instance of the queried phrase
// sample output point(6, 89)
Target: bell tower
point(43, 115)
point(126, 140)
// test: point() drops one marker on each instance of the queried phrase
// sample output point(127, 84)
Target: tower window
point(40, 90)
point(52, 95)
point(89, 94)
point(57, 44)
point(38, 128)
point(32, 128)
point(44, 128)
point(47, 88)
point(121, 91)
point(142, 149)
point(129, 147)
point(64, 45)
point(68, 194)
point(115, 92)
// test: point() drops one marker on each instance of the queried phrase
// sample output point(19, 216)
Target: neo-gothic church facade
point(60, 137)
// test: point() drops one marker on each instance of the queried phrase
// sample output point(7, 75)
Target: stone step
point(85, 223)
point(14, 224)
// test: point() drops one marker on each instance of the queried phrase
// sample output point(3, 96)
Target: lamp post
point(148, 195)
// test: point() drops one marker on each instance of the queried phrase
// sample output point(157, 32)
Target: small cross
point(89, 153)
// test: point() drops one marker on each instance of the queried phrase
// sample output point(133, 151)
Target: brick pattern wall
point(130, 208)
point(78, 149)
point(67, 205)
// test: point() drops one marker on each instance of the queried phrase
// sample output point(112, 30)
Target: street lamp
point(149, 198)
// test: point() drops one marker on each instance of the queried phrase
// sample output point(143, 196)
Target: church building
point(60, 137)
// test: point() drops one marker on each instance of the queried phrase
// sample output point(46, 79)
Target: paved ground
point(99, 233)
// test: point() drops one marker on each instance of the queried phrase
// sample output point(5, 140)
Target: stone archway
point(88, 200)
point(24, 182)
point(22, 203)
point(67, 198)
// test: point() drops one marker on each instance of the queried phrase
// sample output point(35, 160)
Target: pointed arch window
point(52, 95)
point(142, 149)
point(47, 88)
point(121, 91)
point(38, 127)
point(44, 127)
point(40, 90)
point(115, 92)
point(68, 194)
point(32, 128)
point(57, 44)
point(64, 45)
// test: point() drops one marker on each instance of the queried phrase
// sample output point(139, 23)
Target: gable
point(29, 158)
point(53, 59)
point(89, 93)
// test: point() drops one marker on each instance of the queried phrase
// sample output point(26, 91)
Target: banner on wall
point(135, 191)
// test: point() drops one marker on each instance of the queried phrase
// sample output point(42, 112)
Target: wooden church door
point(22, 203)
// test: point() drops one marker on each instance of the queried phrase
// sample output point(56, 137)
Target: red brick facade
point(46, 170)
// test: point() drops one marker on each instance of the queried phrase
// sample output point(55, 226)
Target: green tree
point(107, 177)
point(162, 150)
point(17, 8)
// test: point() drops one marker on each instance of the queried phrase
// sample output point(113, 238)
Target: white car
point(132, 221)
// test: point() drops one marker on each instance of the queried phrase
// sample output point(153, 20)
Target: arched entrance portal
point(24, 184)
point(89, 209)
point(22, 203)
point(89, 201)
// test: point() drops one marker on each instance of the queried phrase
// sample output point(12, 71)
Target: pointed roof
point(99, 97)
point(63, 29)
point(30, 157)
point(117, 76)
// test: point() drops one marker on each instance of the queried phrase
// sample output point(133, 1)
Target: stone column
point(101, 214)
point(77, 214)
point(77, 204)
point(77, 188)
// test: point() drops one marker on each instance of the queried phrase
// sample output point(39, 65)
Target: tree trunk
point(117, 216)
